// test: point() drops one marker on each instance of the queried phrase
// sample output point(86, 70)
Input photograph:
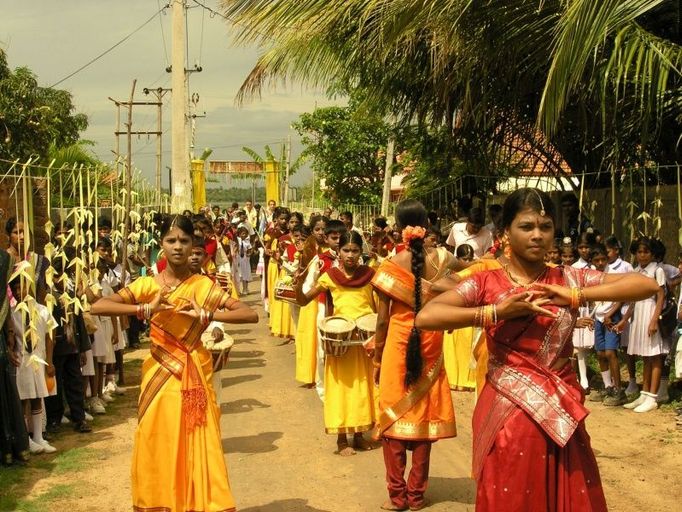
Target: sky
point(54, 39)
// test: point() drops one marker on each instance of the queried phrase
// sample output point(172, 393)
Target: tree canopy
point(34, 118)
point(344, 147)
point(594, 86)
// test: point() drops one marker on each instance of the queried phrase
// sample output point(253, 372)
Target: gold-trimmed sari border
point(392, 414)
point(349, 430)
point(431, 431)
point(137, 508)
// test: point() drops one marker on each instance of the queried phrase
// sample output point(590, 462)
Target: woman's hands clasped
point(524, 304)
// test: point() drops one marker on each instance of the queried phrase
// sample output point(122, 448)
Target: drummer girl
point(348, 388)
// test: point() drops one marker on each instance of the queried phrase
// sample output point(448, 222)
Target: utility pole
point(180, 194)
point(386, 196)
point(159, 93)
point(286, 175)
point(159, 133)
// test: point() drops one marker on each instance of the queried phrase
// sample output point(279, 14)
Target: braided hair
point(412, 213)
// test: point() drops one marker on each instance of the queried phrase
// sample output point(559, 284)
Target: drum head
point(368, 323)
point(336, 324)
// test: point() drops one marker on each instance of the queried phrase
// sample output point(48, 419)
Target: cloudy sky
point(54, 39)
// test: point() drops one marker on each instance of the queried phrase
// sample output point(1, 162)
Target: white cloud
point(55, 38)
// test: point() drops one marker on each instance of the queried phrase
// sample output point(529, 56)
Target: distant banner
point(228, 167)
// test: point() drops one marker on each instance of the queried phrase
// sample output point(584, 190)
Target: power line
point(212, 13)
point(163, 35)
point(109, 49)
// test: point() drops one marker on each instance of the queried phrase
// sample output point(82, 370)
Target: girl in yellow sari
point(306, 330)
point(348, 388)
point(178, 462)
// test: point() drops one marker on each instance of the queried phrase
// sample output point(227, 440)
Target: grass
point(58, 492)
point(17, 483)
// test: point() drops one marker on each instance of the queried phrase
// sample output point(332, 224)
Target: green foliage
point(345, 146)
point(596, 84)
point(223, 197)
point(33, 117)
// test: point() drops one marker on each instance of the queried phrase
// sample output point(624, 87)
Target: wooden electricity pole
point(128, 186)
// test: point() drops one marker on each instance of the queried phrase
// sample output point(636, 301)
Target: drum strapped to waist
point(366, 326)
point(220, 352)
point(285, 292)
point(337, 334)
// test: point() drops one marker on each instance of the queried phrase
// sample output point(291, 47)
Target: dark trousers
point(136, 327)
point(411, 493)
point(69, 386)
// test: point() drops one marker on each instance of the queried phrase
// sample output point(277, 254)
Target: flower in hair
point(412, 232)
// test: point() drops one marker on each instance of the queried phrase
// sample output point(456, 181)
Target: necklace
point(175, 286)
point(520, 284)
point(430, 260)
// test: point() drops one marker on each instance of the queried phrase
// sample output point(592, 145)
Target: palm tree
point(597, 81)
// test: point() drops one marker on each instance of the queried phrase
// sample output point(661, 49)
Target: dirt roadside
point(280, 460)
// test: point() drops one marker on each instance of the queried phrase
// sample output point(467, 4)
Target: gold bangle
point(375, 364)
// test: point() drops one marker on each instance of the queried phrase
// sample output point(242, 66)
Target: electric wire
point(163, 35)
point(95, 59)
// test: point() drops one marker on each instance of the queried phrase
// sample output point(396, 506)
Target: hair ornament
point(542, 205)
point(412, 232)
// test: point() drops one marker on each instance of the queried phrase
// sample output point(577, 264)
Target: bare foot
point(389, 505)
point(344, 450)
point(360, 443)
point(423, 504)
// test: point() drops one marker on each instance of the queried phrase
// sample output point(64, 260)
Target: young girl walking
point(583, 335)
point(34, 346)
point(414, 398)
point(243, 258)
point(645, 338)
point(348, 386)
point(306, 329)
point(178, 461)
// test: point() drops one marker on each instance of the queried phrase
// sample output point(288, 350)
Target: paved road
point(279, 458)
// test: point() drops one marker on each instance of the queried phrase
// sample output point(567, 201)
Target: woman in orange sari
point(178, 462)
point(414, 396)
point(531, 450)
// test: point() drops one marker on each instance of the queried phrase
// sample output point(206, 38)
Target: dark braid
point(413, 360)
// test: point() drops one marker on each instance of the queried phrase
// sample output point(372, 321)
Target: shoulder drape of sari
point(524, 395)
point(178, 439)
point(423, 411)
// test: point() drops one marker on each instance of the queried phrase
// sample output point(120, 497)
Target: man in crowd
point(575, 222)
point(495, 216)
point(471, 233)
point(251, 213)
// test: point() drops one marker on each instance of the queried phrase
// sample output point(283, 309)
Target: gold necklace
point(518, 283)
point(172, 288)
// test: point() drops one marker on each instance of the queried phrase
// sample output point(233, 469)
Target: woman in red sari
point(531, 450)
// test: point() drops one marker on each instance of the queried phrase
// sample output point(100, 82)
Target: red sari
point(531, 450)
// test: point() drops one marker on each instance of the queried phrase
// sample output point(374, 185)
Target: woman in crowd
point(415, 408)
point(178, 461)
point(531, 450)
point(306, 330)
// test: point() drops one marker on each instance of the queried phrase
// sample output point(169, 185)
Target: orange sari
point(178, 463)
point(424, 411)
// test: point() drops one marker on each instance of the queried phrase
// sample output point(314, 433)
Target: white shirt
point(480, 242)
point(248, 226)
point(252, 216)
point(619, 266)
